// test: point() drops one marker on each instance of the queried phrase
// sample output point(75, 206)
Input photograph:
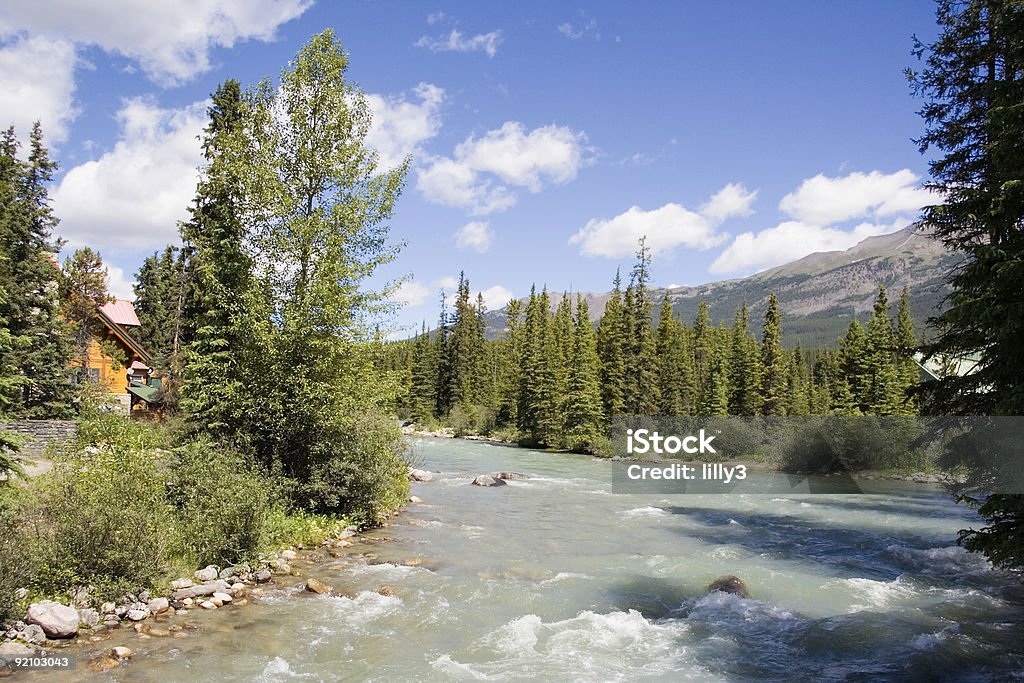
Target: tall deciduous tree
point(83, 288)
point(973, 87)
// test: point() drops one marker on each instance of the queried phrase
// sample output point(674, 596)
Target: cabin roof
point(122, 312)
point(123, 335)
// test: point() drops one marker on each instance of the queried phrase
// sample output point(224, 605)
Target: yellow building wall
point(112, 374)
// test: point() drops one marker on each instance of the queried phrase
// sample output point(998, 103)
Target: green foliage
point(34, 345)
point(222, 505)
point(16, 565)
point(102, 516)
point(838, 444)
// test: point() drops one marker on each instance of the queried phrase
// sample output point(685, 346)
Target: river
point(556, 578)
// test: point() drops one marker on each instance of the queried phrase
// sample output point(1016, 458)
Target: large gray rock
point(158, 605)
point(12, 649)
point(263, 575)
point(138, 614)
point(179, 584)
point(56, 620)
point(488, 480)
point(208, 574)
point(420, 475)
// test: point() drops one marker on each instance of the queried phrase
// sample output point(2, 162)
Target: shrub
point(849, 444)
point(16, 565)
point(101, 518)
point(359, 473)
point(222, 504)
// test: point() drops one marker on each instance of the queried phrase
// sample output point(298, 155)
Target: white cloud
point(400, 127)
point(134, 195)
point(435, 17)
point(118, 284)
point(38, 84)
point(666, 227)
point(457, 42)
point(412, 293)
point(511, 155)
point(476, 235)
point(822, 201)
point(495, 297)
point(792, 240)
point(448, 283)
point(732, 200)
point(171, 41)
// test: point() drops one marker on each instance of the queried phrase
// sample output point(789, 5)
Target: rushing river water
point(556, 578)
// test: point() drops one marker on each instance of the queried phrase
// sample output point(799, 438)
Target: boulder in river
point(729, 584)
point(510, 476)
point(319, 587)
point(56, 620)
point(208, 574)
point(420, 475)
point(488, 480)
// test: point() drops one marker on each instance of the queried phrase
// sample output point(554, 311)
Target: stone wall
point(42, 433)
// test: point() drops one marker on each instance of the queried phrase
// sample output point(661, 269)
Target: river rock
point(89, 617)
point(178, 584)
point(488, 480)
point(218, 586)
point(20, 593)
point(102, 663)
point(121, 652)
point(420, 475)
point(145, 596)
point(289, 555)
point(33, 633)
point(263, 575)
point(208, 574)
point(13, 649)
point(510, 476)
point(227, 572)
point(56, 620)
point(138, 614)
point(223, 597)
point(158, 605)
point(729, 584)
point(108, 608)
point(314, 586)
point(415, 500)
point(208, 604)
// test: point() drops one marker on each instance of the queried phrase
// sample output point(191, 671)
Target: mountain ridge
point(819, 294)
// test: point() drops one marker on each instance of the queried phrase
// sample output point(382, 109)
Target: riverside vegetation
point(277, 426)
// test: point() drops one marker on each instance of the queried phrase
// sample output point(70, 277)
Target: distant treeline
point(553, 380)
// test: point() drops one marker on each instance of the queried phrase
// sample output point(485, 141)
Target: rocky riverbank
point(106, 635)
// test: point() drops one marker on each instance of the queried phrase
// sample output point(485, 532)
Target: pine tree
point(851, 392)
point(212, 276)
point(883, 390)
point(611, 333)
point(906, 345)
point(640, 394)
point(703, 353)
point(745, 367)
point(583, 421)
point(511, 349)
point(423, 376)
point(773, 361)
point(669, 374)
point(83, 288)
point(973, 90)
point(39, 348)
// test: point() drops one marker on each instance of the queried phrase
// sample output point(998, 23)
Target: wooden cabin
point(117, 362)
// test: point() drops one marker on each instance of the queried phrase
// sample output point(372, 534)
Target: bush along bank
point(111, 537)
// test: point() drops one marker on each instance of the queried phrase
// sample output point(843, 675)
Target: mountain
point(818, 294)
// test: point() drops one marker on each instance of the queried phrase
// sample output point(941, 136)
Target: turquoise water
point(556, 578)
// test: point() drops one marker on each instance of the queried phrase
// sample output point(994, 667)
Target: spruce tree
point(583, 421)
point(883, 391)
point(39, 346)
point(511, 364)
point(973, 88)
point(745, 368)
point(773, 361)
point(611, 333)
point(669, 374)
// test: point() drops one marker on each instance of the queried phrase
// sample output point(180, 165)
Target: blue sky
point(546, 137)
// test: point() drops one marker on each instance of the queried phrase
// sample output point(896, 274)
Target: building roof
point(121, 312)
point(138, 365)
point(122, 334)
